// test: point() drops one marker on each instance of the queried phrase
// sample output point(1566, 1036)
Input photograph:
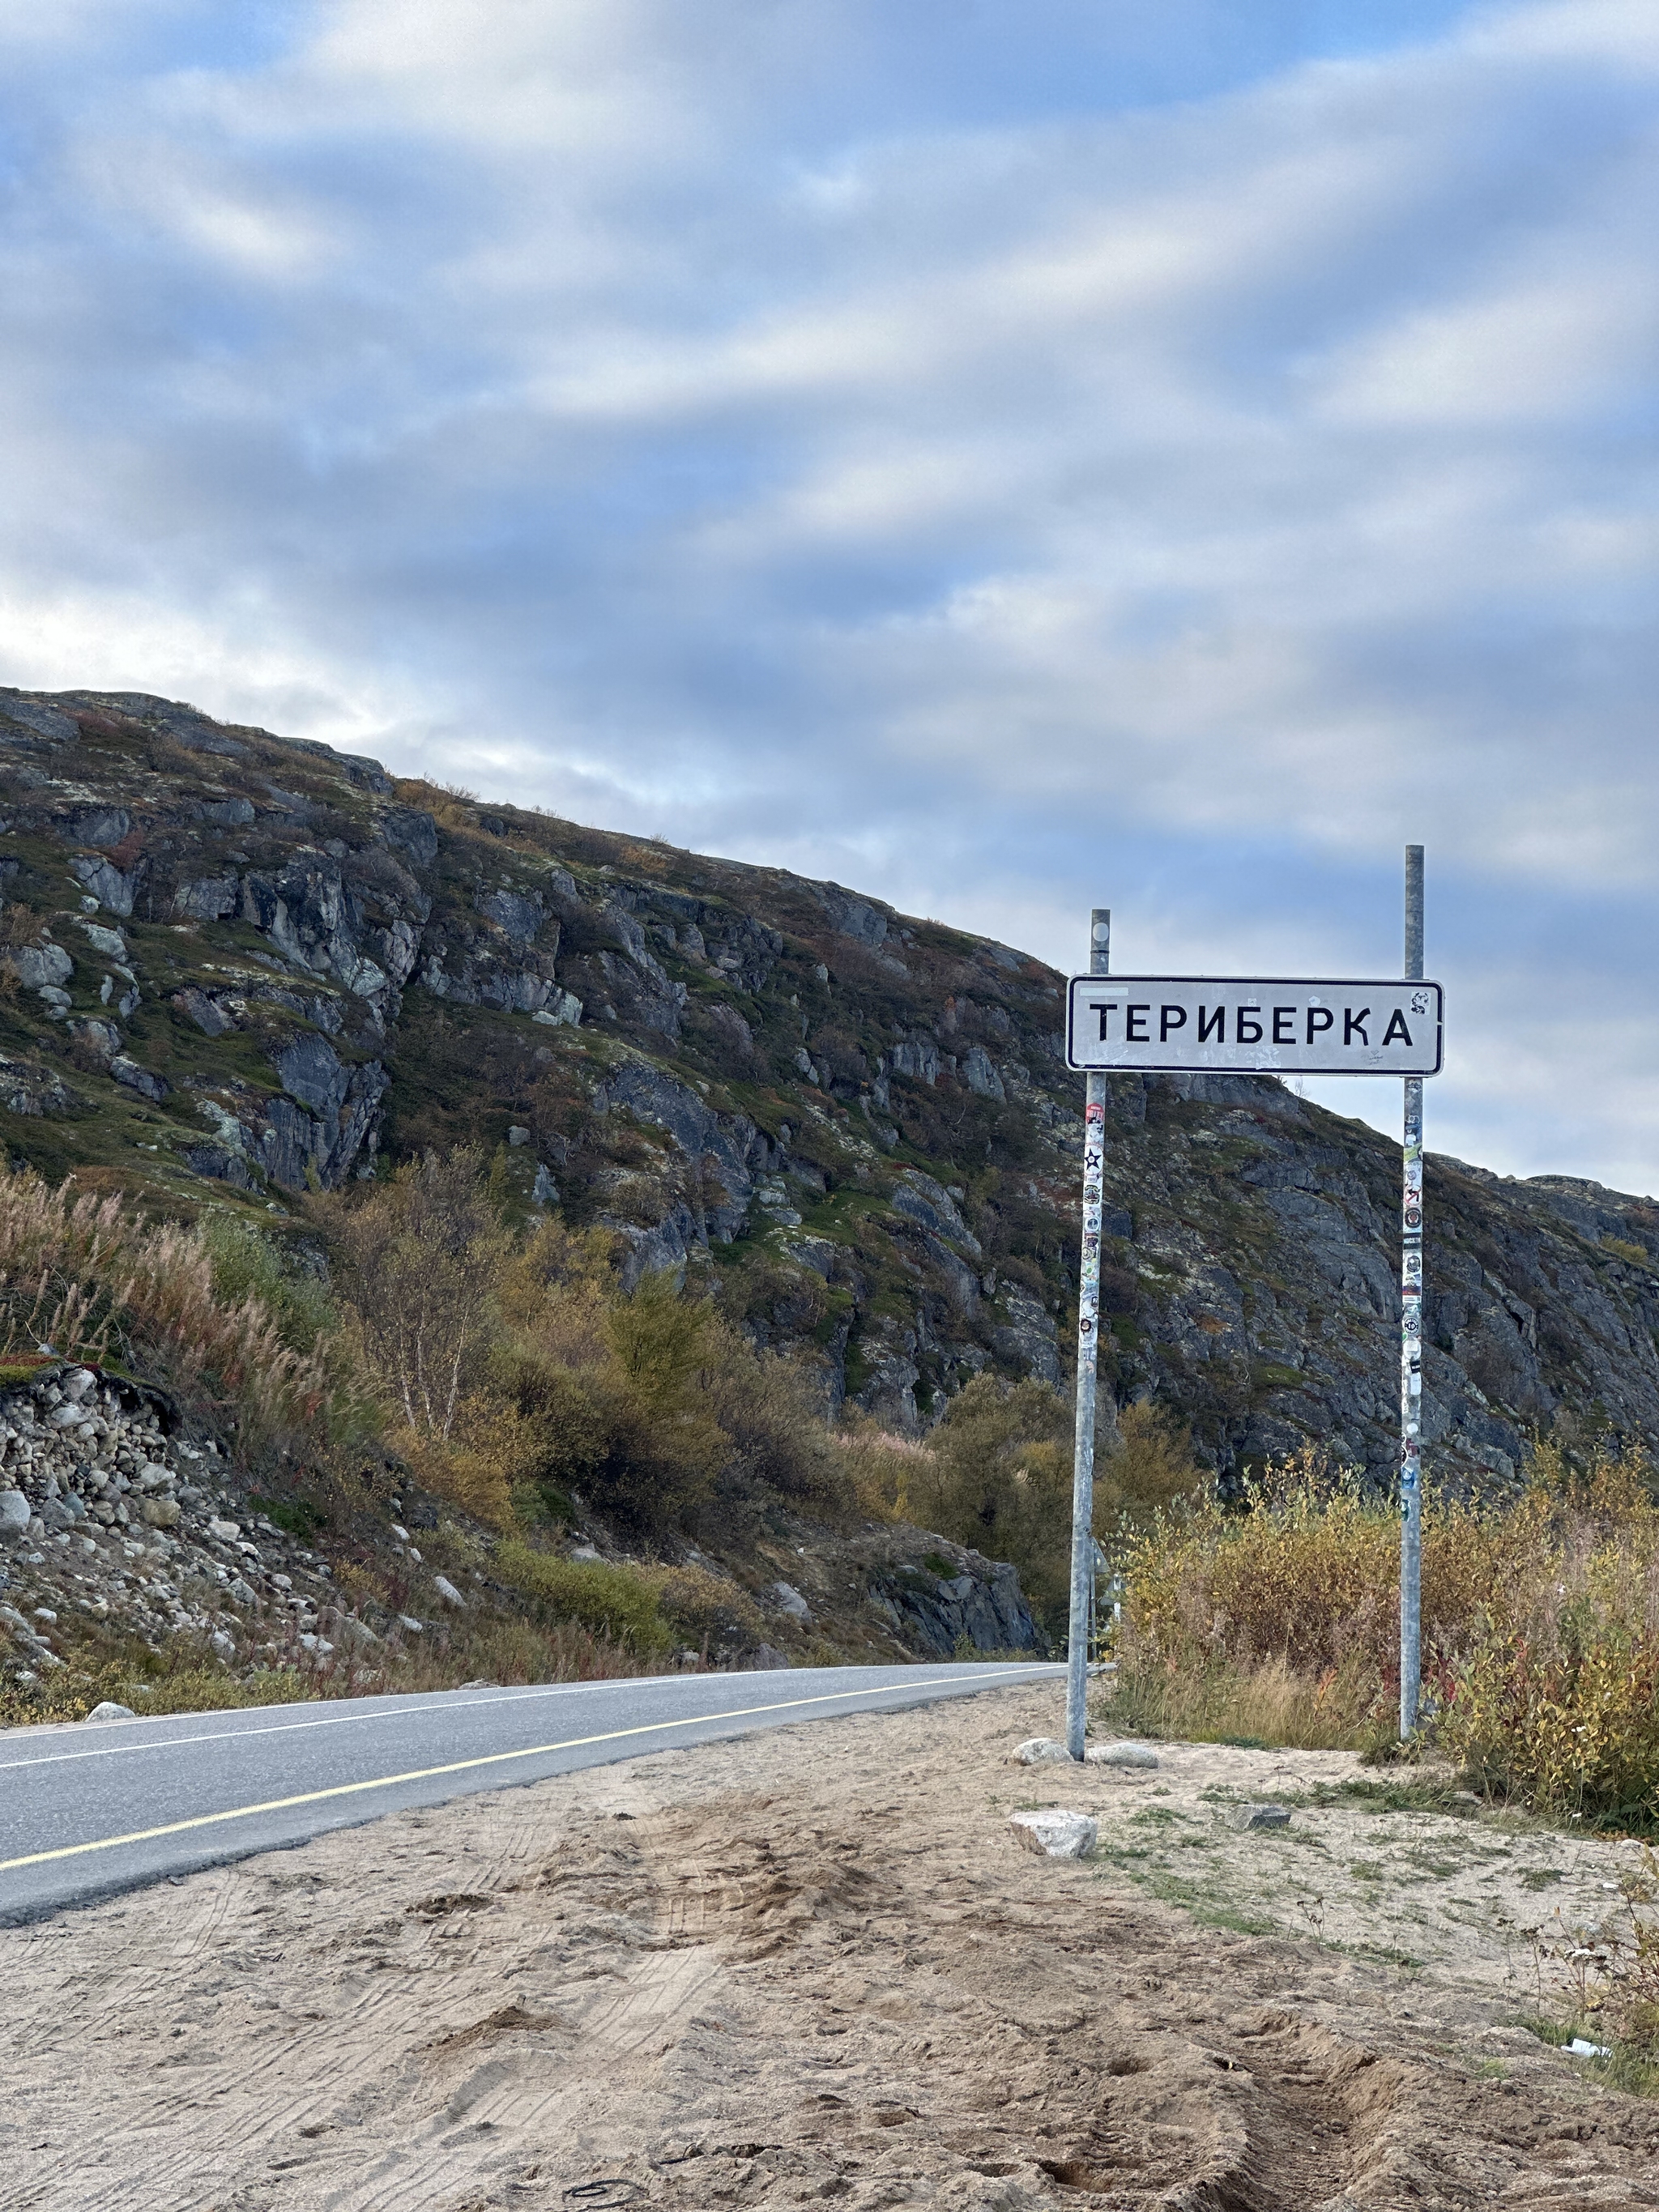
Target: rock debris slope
point(122, 1517)
point(238, 964)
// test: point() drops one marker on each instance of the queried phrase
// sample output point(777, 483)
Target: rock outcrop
point(237, 965)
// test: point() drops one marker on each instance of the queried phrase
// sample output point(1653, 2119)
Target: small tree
point(424, 1255)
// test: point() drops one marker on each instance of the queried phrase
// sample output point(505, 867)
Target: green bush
point(247, 1264)
point(704, 1610)
point(617, 1602)
point(296, 1516)
point(997, 1476)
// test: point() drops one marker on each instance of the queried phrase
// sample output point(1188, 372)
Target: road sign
point(1268, 1025)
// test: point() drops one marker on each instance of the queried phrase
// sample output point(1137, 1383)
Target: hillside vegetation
point(1540, 1614)
point(241, 968)
point(423, 1346)
point(672, 1257)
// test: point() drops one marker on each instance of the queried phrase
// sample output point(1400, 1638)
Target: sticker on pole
point(1203, 1025)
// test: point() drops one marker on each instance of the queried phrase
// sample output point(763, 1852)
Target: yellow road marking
point(462, 1765)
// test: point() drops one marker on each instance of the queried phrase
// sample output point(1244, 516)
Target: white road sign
point(1199, 1025)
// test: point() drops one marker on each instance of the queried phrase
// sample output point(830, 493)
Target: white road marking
point(401, 1712)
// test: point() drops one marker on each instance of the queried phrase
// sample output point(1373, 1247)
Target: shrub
point(1540, 1626)
point(880, 1467)
point(247, 1264)
point(522, 1373)
point(1558, 1701)
point(1148, 1470)
point(618, 1602)
point(705, 1610)
point(423, 1254)
point(770, 1411)
point(1563, 1715)
point(997, 1473)
point(997, 1477)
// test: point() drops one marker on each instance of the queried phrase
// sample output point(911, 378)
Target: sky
point(1007, 459)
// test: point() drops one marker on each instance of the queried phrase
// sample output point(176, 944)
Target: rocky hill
point(236, 965)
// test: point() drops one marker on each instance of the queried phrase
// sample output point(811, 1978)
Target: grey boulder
point(1260, 1816)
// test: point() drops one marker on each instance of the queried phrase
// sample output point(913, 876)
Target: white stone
point(1053, 1833)
point(1120, 1754)
point(407, 1620)
point(400, 1532)
point(224, 1532)
point(109, 1711)
point(446, 1590)
point(1042, 1751)
point(223, 1644)
point(791, 1602)
point(16, 1513)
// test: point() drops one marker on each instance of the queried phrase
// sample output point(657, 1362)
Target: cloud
point(989, 466)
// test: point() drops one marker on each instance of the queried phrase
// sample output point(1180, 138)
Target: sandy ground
point(816, 1965)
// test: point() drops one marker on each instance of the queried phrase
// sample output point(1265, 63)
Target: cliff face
point(237, 964)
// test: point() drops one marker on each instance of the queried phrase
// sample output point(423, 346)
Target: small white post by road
point(1410, 1340)
point(1088, 1334)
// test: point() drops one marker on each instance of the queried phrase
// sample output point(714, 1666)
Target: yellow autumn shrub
point(1540, 1626)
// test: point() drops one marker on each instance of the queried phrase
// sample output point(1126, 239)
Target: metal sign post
point(1268, 1025)
point(1088, 1333)
point(1410, 1342)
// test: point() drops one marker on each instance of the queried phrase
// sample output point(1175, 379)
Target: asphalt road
point(86, 1811)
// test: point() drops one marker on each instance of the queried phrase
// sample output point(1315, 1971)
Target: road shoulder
point(810, 1963)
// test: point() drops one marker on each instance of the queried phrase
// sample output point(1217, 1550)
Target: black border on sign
point(1295, 983)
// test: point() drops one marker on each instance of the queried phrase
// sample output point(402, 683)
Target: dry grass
point(1540, 1628)
point(89, 1278)
point(506, 1648)
point(1252, 1702)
